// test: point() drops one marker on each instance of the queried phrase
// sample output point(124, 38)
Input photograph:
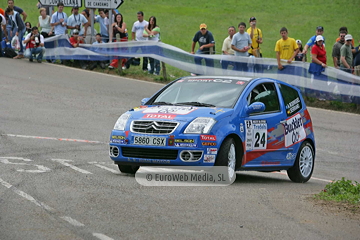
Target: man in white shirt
point(77, 21)
point(226, 48)
point(137, 35)
point(34, 45)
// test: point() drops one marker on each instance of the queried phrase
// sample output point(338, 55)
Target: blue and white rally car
point(259, 124)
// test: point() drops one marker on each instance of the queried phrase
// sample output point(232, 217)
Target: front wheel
point(304, 164)
point(227, 156)
point(128, 169)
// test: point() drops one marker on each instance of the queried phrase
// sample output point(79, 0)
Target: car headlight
point(121, 122)
point(200, 125)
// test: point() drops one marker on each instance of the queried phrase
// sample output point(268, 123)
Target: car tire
point(128, 169)
point(304, 164)
point(227, 157)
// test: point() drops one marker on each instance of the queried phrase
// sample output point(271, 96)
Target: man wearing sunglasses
point(346, 56)
point(336, 49)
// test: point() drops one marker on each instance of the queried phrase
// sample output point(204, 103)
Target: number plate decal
point(151, 141)
point(256, 134)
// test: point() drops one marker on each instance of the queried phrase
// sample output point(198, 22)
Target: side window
point(265, 93)
point(291, 99)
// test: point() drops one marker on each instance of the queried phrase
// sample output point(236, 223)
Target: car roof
point(247, 79)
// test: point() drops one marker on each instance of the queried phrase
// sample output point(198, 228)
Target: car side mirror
point(144, 100)
point(255, 107)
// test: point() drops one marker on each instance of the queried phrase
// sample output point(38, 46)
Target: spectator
point(118, 34)
point(241, 44)
point(344, 29)
point(336, 49)
point(206, 45)
point(285, 48)
point(18, 28)
point(102, 64)
point(256, 38)
point(2, 25)
point(137, 35)
point(318, 56)
point(312, 40)
point(226, 48)
point(346, 56)
point(28, 28)
point(75, 41)
point(44, 23)
point(47, 9)
point(59, 19)
point(88, 38)
point(357, 61)
point(34, 45)
point(77, 21)
point(10, 28)
point(300, 56)
point(104, 24)
point(152, 33)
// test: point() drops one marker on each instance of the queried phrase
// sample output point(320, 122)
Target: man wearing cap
point(346, 56)
point(285, 48)
point(206, 45)
point(58, 20)
point(336, 49)
point(256, 38)
point(77, 21)
point(312, 40)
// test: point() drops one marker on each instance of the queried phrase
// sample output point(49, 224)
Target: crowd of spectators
point(244, 42)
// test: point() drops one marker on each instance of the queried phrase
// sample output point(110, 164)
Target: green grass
point(341, 191)
point(179, 20)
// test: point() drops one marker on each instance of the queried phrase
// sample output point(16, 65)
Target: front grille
point(153, 127)
point(149, 153)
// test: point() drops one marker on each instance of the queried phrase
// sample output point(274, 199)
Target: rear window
point(291, 99)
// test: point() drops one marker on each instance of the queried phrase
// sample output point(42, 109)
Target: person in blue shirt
point(104, 24)
point(59, 19)
point(311, 41)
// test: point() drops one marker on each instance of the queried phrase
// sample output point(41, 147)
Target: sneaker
point(31, 60)
point(110, 67)
point(39, 61)
point(102, 65)
point(157, 74)
point(192, 74)
point(123, 67)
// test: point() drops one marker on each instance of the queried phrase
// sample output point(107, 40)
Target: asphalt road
point(57, 181)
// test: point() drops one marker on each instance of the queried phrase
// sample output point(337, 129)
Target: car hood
point(178, 113)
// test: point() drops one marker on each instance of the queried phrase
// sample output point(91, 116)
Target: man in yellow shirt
point(256, 37)
point(285, 48)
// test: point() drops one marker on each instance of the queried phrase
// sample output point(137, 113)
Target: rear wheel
point(304, 164)
point(128, 168)
point(227, 156)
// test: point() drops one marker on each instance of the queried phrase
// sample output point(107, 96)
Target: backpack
point(9, 52)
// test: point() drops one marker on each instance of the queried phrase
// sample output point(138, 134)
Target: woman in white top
point(44, 23)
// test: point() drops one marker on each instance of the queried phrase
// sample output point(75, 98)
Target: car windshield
point(203, 92)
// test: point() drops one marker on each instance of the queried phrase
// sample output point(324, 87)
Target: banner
point(331, 84)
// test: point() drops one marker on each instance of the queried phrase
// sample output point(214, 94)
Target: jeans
point(20, 36)
point(154, 66)
point(30, 52)
point(208, 62)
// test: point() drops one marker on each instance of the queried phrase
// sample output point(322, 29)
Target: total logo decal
point(170, 109)
point(208, 137)
point(160, 116)
point(294, 130)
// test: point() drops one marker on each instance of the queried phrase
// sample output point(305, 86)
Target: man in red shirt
point(75, 41)
point(34, 45)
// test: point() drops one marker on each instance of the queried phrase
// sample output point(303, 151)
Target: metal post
point(92, 15)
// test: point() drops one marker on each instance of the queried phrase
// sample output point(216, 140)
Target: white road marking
point(105, 168)
point(41, 168)
point(102, 236)
point(52, 138)
point(72, 221)
point(26, 196)
point(64, 162)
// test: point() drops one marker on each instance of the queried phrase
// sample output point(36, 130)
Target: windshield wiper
point(198, 104)
point(162, 103)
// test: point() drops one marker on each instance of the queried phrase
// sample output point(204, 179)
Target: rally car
point(258, 124)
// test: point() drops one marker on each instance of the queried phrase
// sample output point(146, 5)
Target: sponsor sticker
point(160, 116)
point(118, 141)
point(293, 106)
point(209, 158)
point(208, 137)
point(256, 134)
point(185, 145)
point(208, 143)
point(117, 137)
point(212, 151)
point(184, 140)
point(290, 156)
point(294, 130)
point(179, 110)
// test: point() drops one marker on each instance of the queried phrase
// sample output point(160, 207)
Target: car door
point(264, 131)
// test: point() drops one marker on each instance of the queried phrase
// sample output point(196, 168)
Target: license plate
point(153, 141)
